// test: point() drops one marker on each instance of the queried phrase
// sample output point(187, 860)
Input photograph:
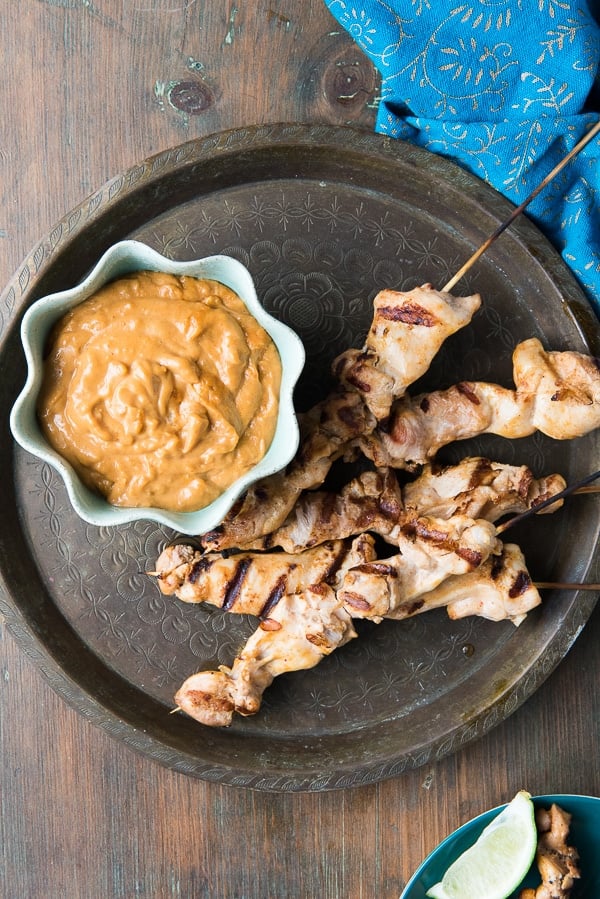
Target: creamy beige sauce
point(160, 390)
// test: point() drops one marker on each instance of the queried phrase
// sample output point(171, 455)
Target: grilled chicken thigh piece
point(430, 550)
point(480, 488)
point(420, 426)
point(557, 862)
point(557, 393)
point(254, 583)
point(407, 332)
point(565, 388)
point(374, 502)
point(370, 502)
point(300, 631)
point(499, 589)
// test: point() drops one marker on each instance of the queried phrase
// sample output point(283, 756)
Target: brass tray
point(324, 217)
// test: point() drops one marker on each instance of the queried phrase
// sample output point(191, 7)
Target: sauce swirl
point(160, 390)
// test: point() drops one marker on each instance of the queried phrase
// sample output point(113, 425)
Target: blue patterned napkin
point(505, 88)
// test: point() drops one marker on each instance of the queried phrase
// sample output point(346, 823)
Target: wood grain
point(91, 88)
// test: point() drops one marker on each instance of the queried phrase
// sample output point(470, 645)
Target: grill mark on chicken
point(422, 529)
point(481, 468)
point(389, 508)
point(520, 586)
point(471, 556)
point(198, 569)
point(274, 596)
point(210, 702)
point(235, 584)
point(352, 416)
point(414, 607)
point(268, 541)
point(497, 567)
point(524, 487)
point(379, 568)
point(318, 641)
point(319, 589)
point(326, 509)
point(353, 376)
point(330, 573)
point(542, 498)
point(466, 390)
point(355, 601)
point(269, 624)
point(214, 535)
point(408, 314)
point(440, 538)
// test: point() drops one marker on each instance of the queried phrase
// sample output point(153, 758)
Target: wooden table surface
point(90, 88)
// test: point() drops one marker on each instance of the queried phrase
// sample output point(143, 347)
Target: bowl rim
point(119, 259)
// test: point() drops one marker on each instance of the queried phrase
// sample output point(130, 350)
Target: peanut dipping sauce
point(160, 390)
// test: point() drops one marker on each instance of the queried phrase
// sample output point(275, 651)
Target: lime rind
point(498, 861)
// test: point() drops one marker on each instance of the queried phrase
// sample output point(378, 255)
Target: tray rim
point(43, 257)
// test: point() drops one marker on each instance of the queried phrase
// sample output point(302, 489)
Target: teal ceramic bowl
point(584, 835)
point(120, 259)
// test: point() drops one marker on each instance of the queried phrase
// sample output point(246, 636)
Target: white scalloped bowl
point(120, 259)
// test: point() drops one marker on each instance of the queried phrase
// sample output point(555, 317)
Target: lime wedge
point(497, 863)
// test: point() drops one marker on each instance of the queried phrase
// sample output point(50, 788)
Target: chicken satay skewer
point(375, 502)
point(255, 582)
point(519, 209)
point(556, 393)
point(307, 626)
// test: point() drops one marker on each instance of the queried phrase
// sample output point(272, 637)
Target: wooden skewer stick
point(519, 209)
point(574, 488)
point(544, 585)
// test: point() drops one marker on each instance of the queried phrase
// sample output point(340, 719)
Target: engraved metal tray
point(324, 217)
